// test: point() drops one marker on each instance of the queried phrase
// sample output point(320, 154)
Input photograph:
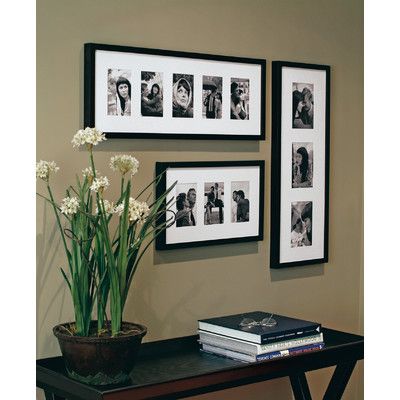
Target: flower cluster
point(99, 184)
point(108, 207)
point(138, 210)
point(89, 175)
point(88, 172)
point(44, 168)
point(69, 205)
point(89, 136)
point(124, 164)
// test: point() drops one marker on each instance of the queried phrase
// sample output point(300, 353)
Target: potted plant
point(104, 242)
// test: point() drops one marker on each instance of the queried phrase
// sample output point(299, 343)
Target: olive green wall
point(174, 289)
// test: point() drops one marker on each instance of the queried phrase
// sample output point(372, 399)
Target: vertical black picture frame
point(276, 167)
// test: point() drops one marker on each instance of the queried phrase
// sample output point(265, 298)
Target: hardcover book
point(250, 348)
point(261, 357)
point(260, 327)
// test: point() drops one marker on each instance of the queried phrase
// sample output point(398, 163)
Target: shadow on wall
point(307, 271)
point(217, 146)
point(204, 253)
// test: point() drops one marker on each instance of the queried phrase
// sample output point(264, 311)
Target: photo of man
point(185, 205)
point(212, 97)
point(214, 204)
point(241, 204)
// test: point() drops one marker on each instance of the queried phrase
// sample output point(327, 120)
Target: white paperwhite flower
point(69, 205)
point(99, 184)
point(138, 210)
point(119, 209)
point(88, 172)
point(44, 168)
point(108, 207)
point(88, 136)
point(124, 164)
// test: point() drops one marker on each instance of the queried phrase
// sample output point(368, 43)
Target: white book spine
point(253, 348)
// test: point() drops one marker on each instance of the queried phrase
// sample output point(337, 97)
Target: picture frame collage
point(132, 92)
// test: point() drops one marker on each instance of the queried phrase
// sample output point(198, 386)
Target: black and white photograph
point(240, 98)
point(182, 96)
point(186, 195)
point(303, 105)
point(212, 97)
point(151, 94)
point(300, 151)
point(217, 201)
point(169, 94)
point(302, 165)
point(119, 92)
point(301, 226)
point(214, 203)
point(240, 210)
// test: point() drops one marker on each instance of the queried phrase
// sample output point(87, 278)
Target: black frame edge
point(89, 85)
point(276, 100)
point(161, 167)
point(89, 91)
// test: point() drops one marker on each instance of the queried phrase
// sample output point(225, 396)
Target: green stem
point(59, 226)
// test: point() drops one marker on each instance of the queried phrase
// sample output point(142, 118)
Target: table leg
point(300, 387)
point(339, 381)
point(52, 396)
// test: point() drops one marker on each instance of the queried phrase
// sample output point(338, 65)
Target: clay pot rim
point(94, 339)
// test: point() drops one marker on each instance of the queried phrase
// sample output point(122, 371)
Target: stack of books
point(258, 336)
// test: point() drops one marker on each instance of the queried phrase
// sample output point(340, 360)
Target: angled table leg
point(339, 381)
point(52, 396)
point(300, 386)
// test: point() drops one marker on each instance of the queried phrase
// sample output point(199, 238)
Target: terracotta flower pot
point(100, 360)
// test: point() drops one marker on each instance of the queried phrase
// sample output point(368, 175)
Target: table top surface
point(179, 362)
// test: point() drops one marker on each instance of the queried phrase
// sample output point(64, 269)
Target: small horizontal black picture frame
point(134, 92)
point(214, 202)
point(300, 151)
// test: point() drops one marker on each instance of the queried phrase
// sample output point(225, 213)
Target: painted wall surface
point(173, 289)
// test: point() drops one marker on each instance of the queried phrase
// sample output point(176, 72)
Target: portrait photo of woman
point(118, 92)
point(302, 165)
point(182, 96)
point(240, 97)
point(124, 95)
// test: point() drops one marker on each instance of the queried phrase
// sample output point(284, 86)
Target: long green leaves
point(102, 265)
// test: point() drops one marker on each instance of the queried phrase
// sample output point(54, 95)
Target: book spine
point(287, 344)
point(234, 355)
point(290, 352)
point(255, 349)
point(292, 334)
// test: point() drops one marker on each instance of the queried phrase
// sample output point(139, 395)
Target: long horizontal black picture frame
point(276, 129)
point(89, 91)
point(162, 167)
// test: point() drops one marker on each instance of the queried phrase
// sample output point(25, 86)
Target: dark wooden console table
point(175, 368)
